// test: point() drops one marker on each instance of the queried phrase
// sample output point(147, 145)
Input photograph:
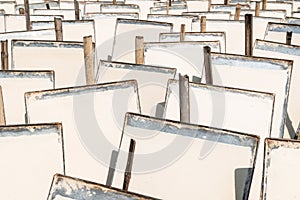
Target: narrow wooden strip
point(4, 55)
point(184, 98)
point(139, 50)
point(2, 110)
point(182, 32)
point(248, 34)
point(257, 9)
point(129, 165)
point(288, 39)
point(76, 7)
point(27, 14)
point(58, 29)
point(237, 12)
point(89, 60)
point(207, 65)
point(264, 4)
point(203, 24)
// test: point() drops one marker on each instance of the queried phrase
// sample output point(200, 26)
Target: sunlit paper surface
point(14, 84)
point(281, 162)
point(65, 58)
point(92, 118)
point(187, 57)
point(152, 81)
point(258, 74)
point(126, 32)
point(30, 156)
point(278, 50)
point(168, 155)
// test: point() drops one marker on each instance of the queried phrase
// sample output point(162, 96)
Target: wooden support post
point(112, 168)
point(209, 5)
point(237, 12)
point(226, 2)
point(248, 34)
point(139, 50)
point(27, 14)
point(264, 4)
point(203, 24)
point(76, 7)
point(184, 98)
point(288, 39)
point(21, 11)
point(168, 7)
point(4, 55)
point(127, 175)
point(58, 29)
point(2, 110)
point(114, 2)
point(182, 32)
point(257, 8)
point(89, 60)
point(207, 65)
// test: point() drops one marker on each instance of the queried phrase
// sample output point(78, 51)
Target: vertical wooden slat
point(4, 55)
point(257, 9)
point(129, 165)
point(203, 24)
point(27, 14)
point(2, 110)
point(58, 29)
point(209, 5)
point(184, 98)
point(182, 32)
point(76, 7)
point(226, 2)
point(237, 12)
point(207, 65)
point(114, 2)
point(288, 39)
point(139, 50)
point(89, 60)
point(248, 34)
point(168, 7)
point(264, 4)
